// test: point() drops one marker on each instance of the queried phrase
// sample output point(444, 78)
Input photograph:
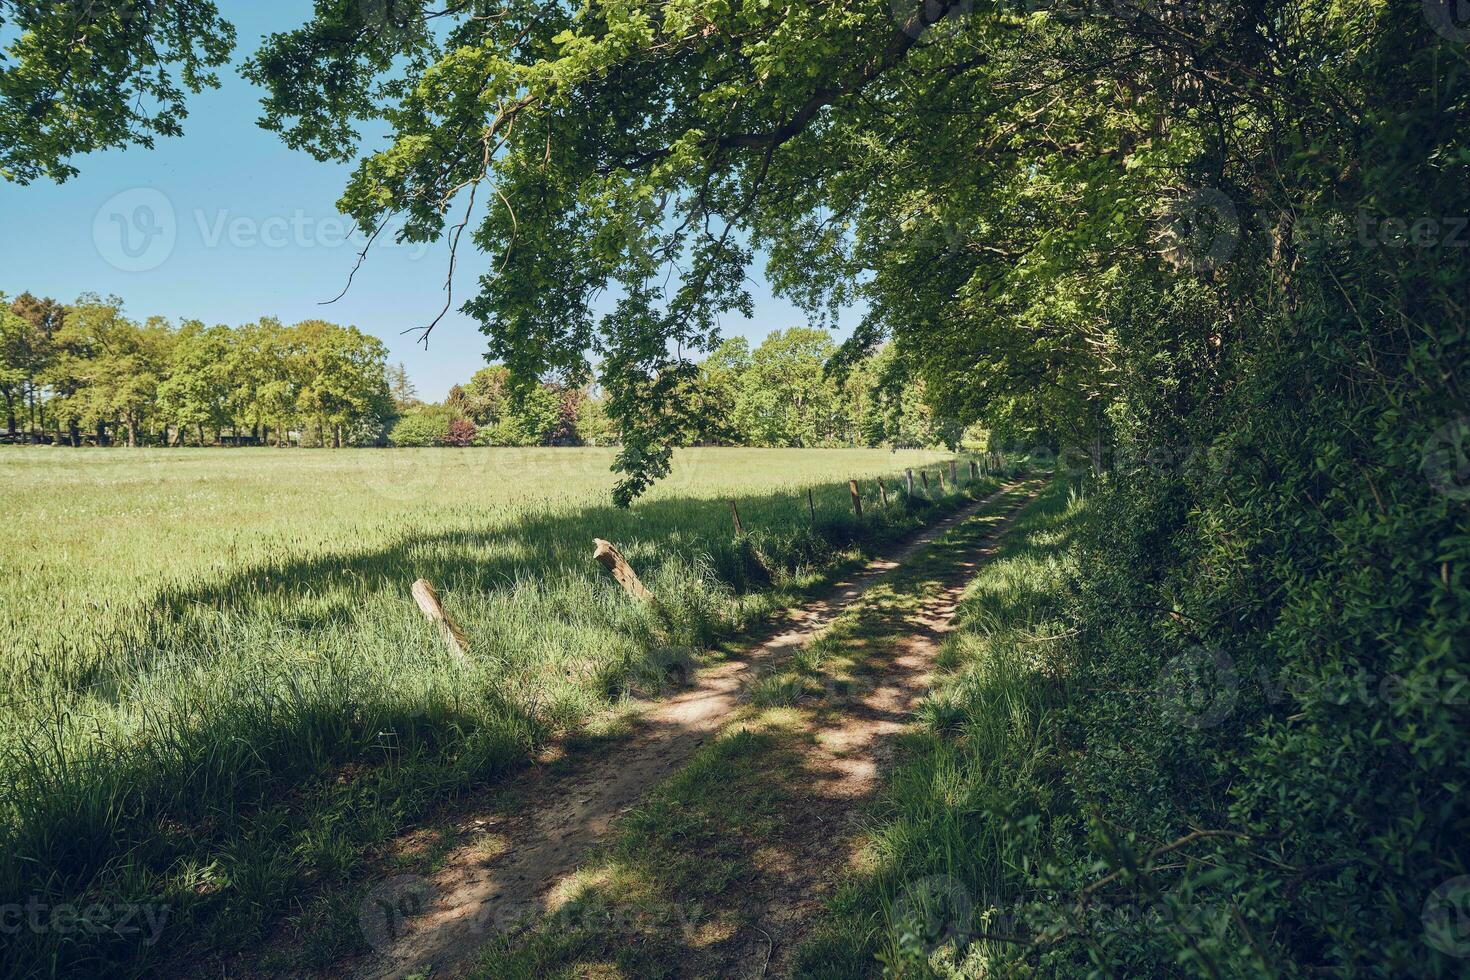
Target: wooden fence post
point(925, 477)
point(974, 470)
point(433, 610)
point(941, 480)
point(735, 513)
point(883, 493)
point(857, 500)
point(612, 559)
point(909, 478)
point(811, 505)
point(954, 474)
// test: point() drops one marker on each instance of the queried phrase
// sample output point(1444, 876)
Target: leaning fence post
point(857, 499)
point(941, 480)
point(735, 513)
point(909, 479)
point(811, 506)
point(883, 493)
point(612, 559)
point(433, 610)
point(925, 477)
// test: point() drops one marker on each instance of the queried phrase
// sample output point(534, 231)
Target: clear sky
point(227, 225)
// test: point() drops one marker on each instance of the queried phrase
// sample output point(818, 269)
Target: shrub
point(423, 425)
point(461, 433)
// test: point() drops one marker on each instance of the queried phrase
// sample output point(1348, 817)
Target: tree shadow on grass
point(326, 591)
point(227, 763)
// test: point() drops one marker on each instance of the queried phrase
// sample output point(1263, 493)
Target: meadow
point(219, 692)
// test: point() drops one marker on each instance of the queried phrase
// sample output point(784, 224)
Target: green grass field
point(219, 691)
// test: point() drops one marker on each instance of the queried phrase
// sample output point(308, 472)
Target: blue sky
point(227, 225)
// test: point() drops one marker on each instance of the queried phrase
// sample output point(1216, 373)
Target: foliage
point(461, 433)
point(88, 75)
point(424, 425)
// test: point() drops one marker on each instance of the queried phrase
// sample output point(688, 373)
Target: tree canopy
point(85, 75)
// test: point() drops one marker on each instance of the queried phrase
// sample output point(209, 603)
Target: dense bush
point(461, 433)
point(423, 425)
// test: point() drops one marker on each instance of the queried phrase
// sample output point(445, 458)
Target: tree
point(593, 425)
point(263, 386)
point(485, 399)
point(198, 391)
point(712, 395)
point(343, 386)
point(401, 387)
point(785, 397)
point(13, 374)
point(88, 75)
point(30, 347)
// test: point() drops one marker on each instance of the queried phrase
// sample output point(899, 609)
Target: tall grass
point(218, 691)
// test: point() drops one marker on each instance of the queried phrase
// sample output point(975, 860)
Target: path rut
point(472, 900)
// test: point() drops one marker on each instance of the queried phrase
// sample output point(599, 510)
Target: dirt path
point(842, 769)
point(472, 899)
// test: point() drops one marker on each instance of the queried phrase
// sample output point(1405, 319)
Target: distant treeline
point(782, 394)
point(85, 373)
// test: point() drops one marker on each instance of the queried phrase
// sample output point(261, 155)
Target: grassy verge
point(222, 747)
point(961, 822)
point(692, 882)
